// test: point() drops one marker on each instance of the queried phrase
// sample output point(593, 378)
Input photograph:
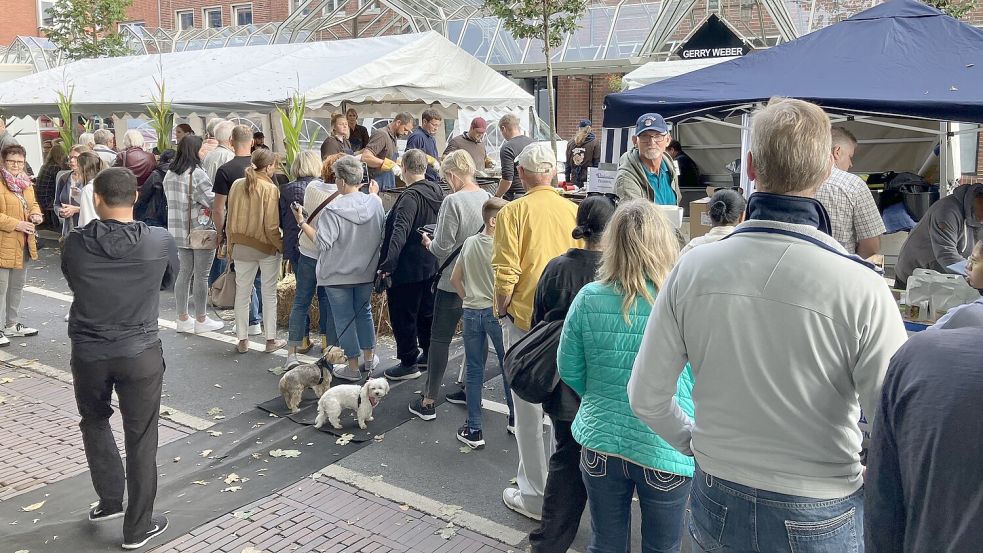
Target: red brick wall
point(18, 17)
point(580, 97)
point(264, 11)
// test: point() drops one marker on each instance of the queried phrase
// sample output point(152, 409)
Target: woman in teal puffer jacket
point(601, 336)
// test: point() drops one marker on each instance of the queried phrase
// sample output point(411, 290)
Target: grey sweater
point(459, 217)
point(349, 232)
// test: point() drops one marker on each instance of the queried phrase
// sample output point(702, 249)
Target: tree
point(954, 8)
point(88, 28)
point(546, 20)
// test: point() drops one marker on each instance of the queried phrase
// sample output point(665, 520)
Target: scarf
point(17, 185)
point(789, 209)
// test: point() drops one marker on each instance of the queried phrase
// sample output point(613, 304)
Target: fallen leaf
point(206, 453)
point(294, 438)
point(316, 475)
point(219, 417)
point(217, 385)
point(449, 511)
point(514, 482)
point(232, 489)
point(23, 551)
point(233, 477)
point(404, 507)
point(256, 455)
point(376, 478)
point(251, 550)
point(200, 483)
point(6, 380)
point(214, 433)
point(464, 449)
point(214, 411)
point(243, 515)
point(36, 520)
point(33, 507)
point(277, 370)
point(284, 453)
point(3, 400)
point(176, 459)
point(379, 438)
point(345, 439)
point(447, 532)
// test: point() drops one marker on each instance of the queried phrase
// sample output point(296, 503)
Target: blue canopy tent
point(899, 59)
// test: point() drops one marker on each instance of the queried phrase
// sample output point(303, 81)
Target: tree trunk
point(547, 51)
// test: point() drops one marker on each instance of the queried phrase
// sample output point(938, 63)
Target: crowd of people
point(727, 381)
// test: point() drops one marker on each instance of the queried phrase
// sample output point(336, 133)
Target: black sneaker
point(425, 412)
point(421, 361)
point(101, 512)
point(458, 398)
point(511, 426)
point(471, 438)
point(158, 523)
point(402, 372)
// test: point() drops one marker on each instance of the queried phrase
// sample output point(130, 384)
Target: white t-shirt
point(315, 193)
point(87, 207)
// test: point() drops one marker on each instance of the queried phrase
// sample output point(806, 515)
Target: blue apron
point(386, 179)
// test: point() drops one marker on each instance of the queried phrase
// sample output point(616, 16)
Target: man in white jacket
point(783, 330)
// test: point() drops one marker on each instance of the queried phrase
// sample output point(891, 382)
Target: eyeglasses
point(652, 137)
point(14, 162)
point(613, 197)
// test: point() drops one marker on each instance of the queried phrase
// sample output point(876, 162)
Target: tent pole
point(745, 148)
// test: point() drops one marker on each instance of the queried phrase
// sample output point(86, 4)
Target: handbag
point(222, 292)
point(530, 364)
point(205, 238)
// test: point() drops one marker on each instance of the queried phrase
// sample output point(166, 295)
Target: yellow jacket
point(529, 233)
point(254, 219)
point(12, 241)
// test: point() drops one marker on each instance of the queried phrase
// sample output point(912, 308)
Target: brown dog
point(316, 377)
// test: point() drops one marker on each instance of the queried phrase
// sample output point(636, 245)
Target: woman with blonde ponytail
point(620, 455)
point(256, 243)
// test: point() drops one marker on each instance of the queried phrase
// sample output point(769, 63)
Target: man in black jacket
point(411, 266)
point(116, 267)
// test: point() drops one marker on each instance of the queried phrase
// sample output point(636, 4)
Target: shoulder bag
point(206, 237)
point(222, 293)
point(450, 259)
point(530, 364)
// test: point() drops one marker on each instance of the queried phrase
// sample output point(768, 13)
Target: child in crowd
point(475, 283)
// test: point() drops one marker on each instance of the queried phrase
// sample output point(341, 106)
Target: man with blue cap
point(647, 171)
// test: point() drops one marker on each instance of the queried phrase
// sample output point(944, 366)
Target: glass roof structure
point(612, 33)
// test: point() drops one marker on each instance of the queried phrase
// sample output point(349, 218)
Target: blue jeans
point(732, 518)
point(610, 483)
point(351, 308)
point(480, 324)
point(305, 269)
point(255, 304)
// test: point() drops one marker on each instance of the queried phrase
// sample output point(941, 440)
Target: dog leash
point(352, 321)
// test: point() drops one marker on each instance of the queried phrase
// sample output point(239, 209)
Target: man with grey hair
point(135, 158)
point(87, 139)
point(104, 146)
point(647, 171)
point(855, 220)
point(381, 151)
point(409, 265)
point(775, 439)
point(209, 143)
point(223, 153)
point(510, 185)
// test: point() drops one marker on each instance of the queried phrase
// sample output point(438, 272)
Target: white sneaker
point(18, 329)
point(4, 341)
point(66, 317)
point(513, 500)
point(208, 325)
point(187, 326)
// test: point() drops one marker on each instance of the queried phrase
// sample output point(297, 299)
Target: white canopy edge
point(421, 68)
point(655, 71)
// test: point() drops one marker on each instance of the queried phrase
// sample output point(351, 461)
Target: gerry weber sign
point(713, 39)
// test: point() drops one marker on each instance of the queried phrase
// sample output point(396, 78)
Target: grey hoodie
point(349, 233)
point(116, 271)
point(945, 234)
point(632, 182)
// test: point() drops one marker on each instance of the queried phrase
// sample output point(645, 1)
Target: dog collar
point(321, 380)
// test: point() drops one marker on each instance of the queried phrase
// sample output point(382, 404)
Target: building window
point(212, 18)
point(185, 20)
point(713, 6)
point(328, 7)
point(43, 15)
point(243, 14)
point(372, 9)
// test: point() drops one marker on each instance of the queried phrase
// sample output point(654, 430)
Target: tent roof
point(414, 68)
point(655, 71)
point(899, 58)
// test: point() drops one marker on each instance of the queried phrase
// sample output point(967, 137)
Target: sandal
point(277, 344)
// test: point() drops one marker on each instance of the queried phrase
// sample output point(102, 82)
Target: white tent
point(655, 71)
point(422, 68)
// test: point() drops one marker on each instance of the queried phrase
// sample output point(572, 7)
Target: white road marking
point(180, 417)
point(432, 507)
point(489, 405)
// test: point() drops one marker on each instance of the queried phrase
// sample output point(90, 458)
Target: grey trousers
point(192, 279)
point(11, 290)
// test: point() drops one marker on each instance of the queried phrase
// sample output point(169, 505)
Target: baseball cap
point(479, 124)
point(537, 157)
point(651, 122)
point(584, 123)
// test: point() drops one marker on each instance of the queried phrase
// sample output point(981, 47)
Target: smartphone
point(365, 179)
point(295, 206)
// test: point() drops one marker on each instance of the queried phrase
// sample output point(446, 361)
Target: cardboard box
point(699, 219)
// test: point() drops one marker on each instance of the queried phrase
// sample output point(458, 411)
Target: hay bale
point(286, 291)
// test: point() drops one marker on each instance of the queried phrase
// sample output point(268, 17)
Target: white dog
point(361, 399)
